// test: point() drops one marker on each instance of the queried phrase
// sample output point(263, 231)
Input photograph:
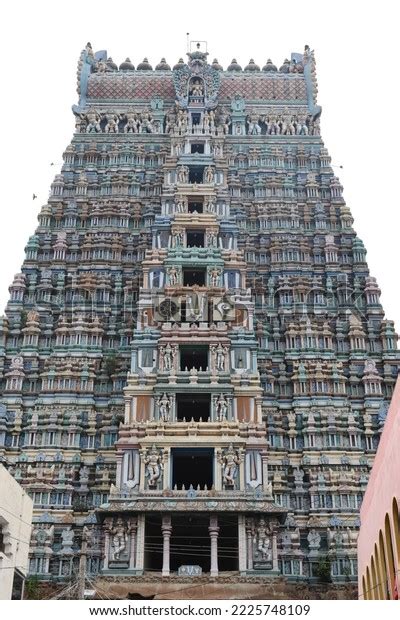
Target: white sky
point(358, 74)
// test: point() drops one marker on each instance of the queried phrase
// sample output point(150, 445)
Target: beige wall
point(379, 538)
point(15, 521)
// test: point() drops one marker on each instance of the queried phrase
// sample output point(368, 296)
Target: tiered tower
point(196, 364)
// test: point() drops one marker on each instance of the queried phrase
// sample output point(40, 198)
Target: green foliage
point(323, 569)
point(23, 318)
point(32, 588)
point(110, 364)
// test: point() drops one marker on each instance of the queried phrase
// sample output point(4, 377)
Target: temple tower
point(195, 362)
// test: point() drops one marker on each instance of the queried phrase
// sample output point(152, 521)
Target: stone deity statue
point(154, 466)
point(118, 539)
point(263, 543)
point(230, 460)
point(164, 407)
point(221, 408)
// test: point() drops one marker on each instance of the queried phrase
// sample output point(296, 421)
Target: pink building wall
point(383, 487)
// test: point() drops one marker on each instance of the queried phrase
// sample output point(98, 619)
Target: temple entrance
point(190, 542)
point(153, 546)
point(192, 467)
point(196, 406)
point(228, 543)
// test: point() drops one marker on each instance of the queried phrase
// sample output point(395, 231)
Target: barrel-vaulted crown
point(102, 81)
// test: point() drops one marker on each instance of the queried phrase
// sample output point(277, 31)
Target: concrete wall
point(15, 522)
point(379, 538)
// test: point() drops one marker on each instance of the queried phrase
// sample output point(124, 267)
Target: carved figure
point(209, 206)
point(154, 466)
point(221, 407)
point(263, 543)
point(225, 121)
point(93, 122)
point(211, 238)
point(147, 122)
point(182, 121)
point(273, 126)
point(168, 357)
point(172, 276)
point(220, 357)
point(209, 174)
point(196, 88)
point(132, 123)
point(112, 123)
point(164, 407)
point(253, 123)
point(177, 238)
point(230, 460)
point(181, 205)
point(183, 174)
point(215, 275)
point(287, 126)
point(118, 540)
point(170, 120)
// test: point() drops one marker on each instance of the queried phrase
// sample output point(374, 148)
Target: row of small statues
point(278, 124)
point(112, 122)
point(177, 121)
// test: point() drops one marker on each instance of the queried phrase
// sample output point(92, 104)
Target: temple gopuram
point(195, 363)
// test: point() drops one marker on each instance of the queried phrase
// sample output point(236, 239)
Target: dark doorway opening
point(197, 148)
point(190, 542)
point(193, 277)
point(192, 467)
point(195, 207)
point(194, 357)
point(196, 118)
point(153, 543)
point(196, 406)
point(195, 238)
point(196, 174)
point(228, 542)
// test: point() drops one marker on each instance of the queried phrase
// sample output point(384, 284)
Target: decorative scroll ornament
point(197, 82)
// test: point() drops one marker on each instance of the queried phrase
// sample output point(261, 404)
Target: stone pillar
point(166, 529)
point(249, 536)
point(127, 419)
point(118, 476)
point(274, 552)
point(140, 543)
point(218, 484)
point(214, 530)
point(167, 480)
point(132, 554)
point(264, 461)
point(106, 549)
point(242, 544)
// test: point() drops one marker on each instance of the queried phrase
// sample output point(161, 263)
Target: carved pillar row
point(214, 531)
point(166, 529)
